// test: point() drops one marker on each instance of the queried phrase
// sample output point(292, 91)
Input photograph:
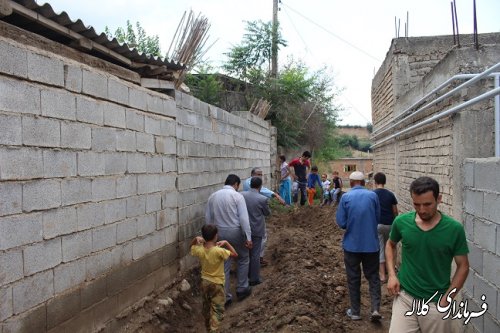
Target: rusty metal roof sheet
point(42, 20)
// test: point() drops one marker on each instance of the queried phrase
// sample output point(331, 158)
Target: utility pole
point(274, 46)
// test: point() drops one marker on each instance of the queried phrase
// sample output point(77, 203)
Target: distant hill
point(361, 132)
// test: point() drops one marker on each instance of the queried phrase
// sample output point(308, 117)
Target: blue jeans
point(370, 263)
point(285, 190)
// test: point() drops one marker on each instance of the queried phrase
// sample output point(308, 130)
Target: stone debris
point(185, 286)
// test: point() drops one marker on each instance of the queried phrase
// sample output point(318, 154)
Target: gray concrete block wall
point(483, 227)
point(99, 176)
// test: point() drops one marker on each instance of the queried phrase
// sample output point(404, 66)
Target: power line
point(355, 109)
point(297, 31)
point(331, 33)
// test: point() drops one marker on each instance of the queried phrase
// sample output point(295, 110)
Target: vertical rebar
point(476, 37)
point(453, 23)
point(407, 23)
point(497, 118)
point(456, 21)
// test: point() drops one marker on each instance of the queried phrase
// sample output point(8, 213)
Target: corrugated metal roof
point(29, 15)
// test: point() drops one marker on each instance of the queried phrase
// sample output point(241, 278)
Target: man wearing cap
point(359, 214)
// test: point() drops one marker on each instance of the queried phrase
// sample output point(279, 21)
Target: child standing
point(212, 255)
point(327, 198)
point(337, 187)
point(312, 180)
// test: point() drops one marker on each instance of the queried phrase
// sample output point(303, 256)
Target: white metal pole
point(497, 118)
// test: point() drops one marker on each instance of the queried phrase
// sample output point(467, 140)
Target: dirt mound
point(304, 289)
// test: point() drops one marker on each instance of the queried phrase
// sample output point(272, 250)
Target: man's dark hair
point(208, 232)
point(254, 170)
point(422, 185)
point(232, 180)
point(306, 154)
point(255, 182)
point(282, 158)
point(314, 168)
point(379, 178)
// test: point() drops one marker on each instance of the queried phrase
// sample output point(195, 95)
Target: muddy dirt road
point(304, 289)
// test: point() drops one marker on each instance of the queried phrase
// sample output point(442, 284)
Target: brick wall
point(440, 150)
point(102, 185)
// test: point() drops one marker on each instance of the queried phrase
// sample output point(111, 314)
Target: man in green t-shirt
point(430, 241)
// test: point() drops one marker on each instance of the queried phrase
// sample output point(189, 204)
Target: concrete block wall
point(481, 208)
point(102, 185)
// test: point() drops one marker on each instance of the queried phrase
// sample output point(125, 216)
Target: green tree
point(136, 38)
point(205, 86)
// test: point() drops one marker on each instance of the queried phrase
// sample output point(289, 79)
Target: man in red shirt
point(300, 167)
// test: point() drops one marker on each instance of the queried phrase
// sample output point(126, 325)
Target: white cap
point(357, 175)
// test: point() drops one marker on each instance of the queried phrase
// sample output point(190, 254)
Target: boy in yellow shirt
point(212, 255)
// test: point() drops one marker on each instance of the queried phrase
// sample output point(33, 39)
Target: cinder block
point(474, 202)
point(152, 125)
point(45, 69)
point(42, 256)
point(62, 308)
point(168, 182)
point(103, 189)
point(468, 170)
point(169, 164)
point(34, 320)
point(166, 145)
point(58, 222)
point(154, 164)
point(171, 234)
point(153, 203)
point(115, 210)
point(166, 218)
point(491, 209)
point(94, 84)
point(89, 111)
point(486, 173)
point(19, 97)
point(134, 120)
point(491, 269)
point(116, 163)
point(73, 78)
point(491, 324)
point(168, 127)
point(59, 163)
point(41, 194)
point(114, 115)
point(103, 237)
point(155, 104)
point(475, 257)
point(483, 287)
point(125, 141)
point(141, 247)
point(170, 108)
point(169, 199)
point(145, 142)
point(126, 186)
point(126, 230)
point(138, 98)
point(11, 195)
point(58, 104)
point(10, 130)
point(148, 183)
point(76, 245)
point(32, 291)
point(98, 264)
point(75, 135)
point(6, 304)
point(76, 191)
point(11, 263)
point(170, 254)
point(117, 91)
point(91, 164)
point(90, 215)
point(103, 139)
point(13, 60)
point(136, 206)
point(485, 234)
point(136, 163)
point(146, 224)
point(41, 132)
point(20, 230)
point(69, 275)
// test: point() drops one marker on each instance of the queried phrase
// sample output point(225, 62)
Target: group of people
point(297, 180)
point(430, 241)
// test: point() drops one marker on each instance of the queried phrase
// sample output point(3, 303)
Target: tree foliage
point(205, 85)
point(136, 38)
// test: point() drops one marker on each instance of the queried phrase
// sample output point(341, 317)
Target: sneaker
point(254, 283)
point(352, 316)
point(228, 303)
point(375, 316)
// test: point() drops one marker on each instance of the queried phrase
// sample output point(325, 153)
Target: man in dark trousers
point(300, 167)
point(359, 214)
point(258, 209)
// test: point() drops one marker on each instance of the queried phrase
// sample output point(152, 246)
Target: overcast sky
point(350, 37)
